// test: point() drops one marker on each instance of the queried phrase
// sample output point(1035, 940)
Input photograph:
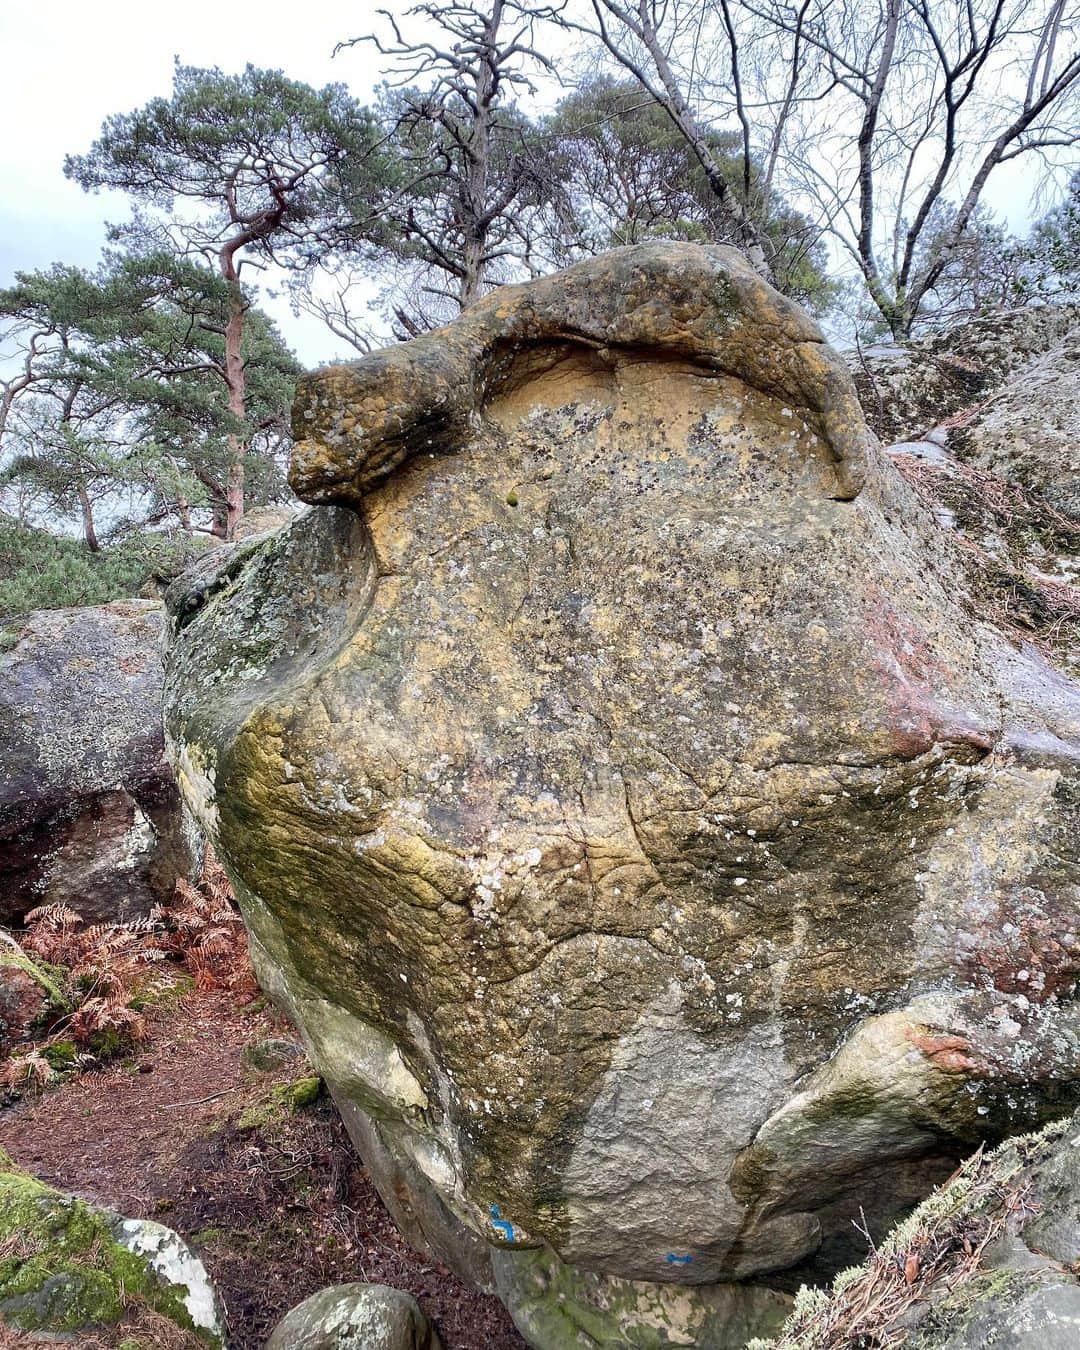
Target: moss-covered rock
point(990, 1259)
point(559, 1307)
point(31, 994)
point(69, 1267)
point(269, 1052)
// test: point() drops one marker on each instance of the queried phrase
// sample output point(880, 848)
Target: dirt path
point(277, 1211)
point(117, 1135)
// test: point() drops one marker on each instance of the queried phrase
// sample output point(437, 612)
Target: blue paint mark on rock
point(506, 1229)
point(674, 1260)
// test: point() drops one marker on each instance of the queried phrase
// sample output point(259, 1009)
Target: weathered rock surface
point(1028, 430)
point(89, 812)
point(907, 391)
point(989, 415)
point(1000, 394)
point(662, 856)
point(69, 1268)
point(990, 1260)
point(355, 1317)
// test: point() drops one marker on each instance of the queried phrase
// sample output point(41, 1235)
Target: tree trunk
point(219, 520)
point(236, 383)
point(234, 498)
point(476, 223)
point(89, 532)
point(183, 514)
point(473, 268)
point(866, 143)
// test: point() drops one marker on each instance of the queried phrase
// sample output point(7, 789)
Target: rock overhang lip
point(448, 373)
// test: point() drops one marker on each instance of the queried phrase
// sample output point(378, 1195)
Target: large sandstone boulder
point(89, 812)
point(663, 859)
point(1028, 430)
point(906, 391)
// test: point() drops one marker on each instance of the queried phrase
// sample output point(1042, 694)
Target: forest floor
point(274, 1199)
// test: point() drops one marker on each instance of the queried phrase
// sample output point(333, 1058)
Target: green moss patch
point(281, 1101)
point(48, 978)
point(61, 1055)
point(63, 1271)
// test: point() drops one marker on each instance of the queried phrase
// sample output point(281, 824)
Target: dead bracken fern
point(938, 1247)
point(202, 928)
point(113, 972)
point(105, 968)
point(107, 965)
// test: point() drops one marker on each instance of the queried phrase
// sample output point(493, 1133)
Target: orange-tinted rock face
point(623, 794)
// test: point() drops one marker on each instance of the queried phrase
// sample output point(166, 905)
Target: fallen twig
point(199, 1101)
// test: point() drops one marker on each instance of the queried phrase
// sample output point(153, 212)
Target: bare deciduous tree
point(943, 94)
point(887, 118)
point(625, 175)
point(661, 45)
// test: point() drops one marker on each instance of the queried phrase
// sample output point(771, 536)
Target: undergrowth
point(112, 975)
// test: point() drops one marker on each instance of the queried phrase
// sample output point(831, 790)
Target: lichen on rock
point(355, 1317)
point(661, 862)
point(89, 813)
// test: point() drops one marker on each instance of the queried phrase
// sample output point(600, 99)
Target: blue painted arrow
point(674, 1260)
point(507, 1229)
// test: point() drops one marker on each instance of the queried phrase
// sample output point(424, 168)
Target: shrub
point(39, 570)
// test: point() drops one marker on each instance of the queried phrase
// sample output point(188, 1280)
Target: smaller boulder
point(269, 1052)
point(73, 1270)
point(1028, 430)
point(355, 1317)
point(905, 391)
point(90, 816)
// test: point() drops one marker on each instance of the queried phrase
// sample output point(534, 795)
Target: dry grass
point(149, 1328)
point(141, 1325)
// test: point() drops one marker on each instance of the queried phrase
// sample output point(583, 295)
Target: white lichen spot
point(171, 1258)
